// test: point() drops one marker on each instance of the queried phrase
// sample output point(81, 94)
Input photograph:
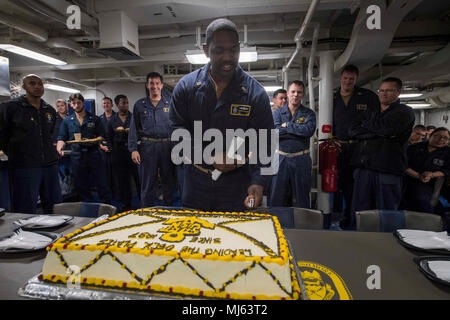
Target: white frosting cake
point(210, 254)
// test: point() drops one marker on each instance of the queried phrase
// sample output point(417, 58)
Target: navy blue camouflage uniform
point(149, 135)
point(87, 167)
point(243, 104)
point(293, 170)
point(26, 137)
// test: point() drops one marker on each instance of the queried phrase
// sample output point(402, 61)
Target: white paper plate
point(43, 221)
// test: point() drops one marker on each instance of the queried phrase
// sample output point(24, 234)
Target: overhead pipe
point(298, 38)
point(47, 11)
point(245, 35)
point(176, 77)
point(38, 33)
point(199, 38)
point(325, 117)
point(312, 57)
point(130, 75)
point(149, 35)
point(313, 141)
point(65, 43)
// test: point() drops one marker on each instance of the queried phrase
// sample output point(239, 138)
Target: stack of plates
point(23, 241)
point(435, 268)
point(429, 241)
point(42, 221)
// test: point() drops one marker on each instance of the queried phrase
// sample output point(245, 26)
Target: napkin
point(24, 240)
point(441, 269)
point(425, 239)
point(41, 220)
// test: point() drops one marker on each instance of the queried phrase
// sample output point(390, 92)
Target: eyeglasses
point(386, 90)
point(439, 137)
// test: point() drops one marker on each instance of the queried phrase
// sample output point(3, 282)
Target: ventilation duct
point(119, 36)
point(66, 44)
point(33, 30)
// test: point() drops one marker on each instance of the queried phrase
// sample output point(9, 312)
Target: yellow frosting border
point(134, 285)
point(281, 260)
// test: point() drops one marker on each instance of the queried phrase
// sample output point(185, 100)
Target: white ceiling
point(168, 28)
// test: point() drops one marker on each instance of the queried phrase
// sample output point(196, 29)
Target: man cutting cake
point(221, 96)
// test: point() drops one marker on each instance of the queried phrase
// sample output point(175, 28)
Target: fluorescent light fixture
point(247, 54)
point(31, 54)
point(60, 88)
point(196, 57)
point(418, 105)
point(272, 88)
point(410, 95)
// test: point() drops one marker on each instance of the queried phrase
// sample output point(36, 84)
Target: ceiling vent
point(119, 36)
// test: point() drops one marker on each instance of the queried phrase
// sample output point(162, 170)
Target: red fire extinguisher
point(328, 151)
point(329, 179)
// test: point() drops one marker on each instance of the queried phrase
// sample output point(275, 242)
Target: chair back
point(308, 219)
point(285, 216)
point(84, 209)
point(437, 191)
point(391, 220)
point(424, 221)
point(295, 218)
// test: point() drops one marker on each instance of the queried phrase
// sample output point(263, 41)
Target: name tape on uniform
point(240, 110)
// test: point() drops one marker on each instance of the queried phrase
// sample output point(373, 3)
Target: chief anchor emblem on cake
point(178, 229)
point(323, 283)
point(316, 288)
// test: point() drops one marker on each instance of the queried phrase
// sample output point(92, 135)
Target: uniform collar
point(149, 104)
point(238, 82)
point(104, 115)
point(116, 116)
point(424, 146)
point(23, 99)
point(74, 117)
point(394, 105)
point(59, 116)
point(356, 89)
point(285, 108)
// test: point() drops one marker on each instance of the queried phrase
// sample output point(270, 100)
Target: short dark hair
point(154, 75)
point(397, 81)
point(31, 75)
point(297, 82)
point(431, 128)
point(277, 92)
point(107, 98)
point(439, 129)
point(118, 97)
point(220, 25)
point(350, 68)
point(74, 96)
point(419, 127)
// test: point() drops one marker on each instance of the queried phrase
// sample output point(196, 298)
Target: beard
point(79, 110)
point(36, 94)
